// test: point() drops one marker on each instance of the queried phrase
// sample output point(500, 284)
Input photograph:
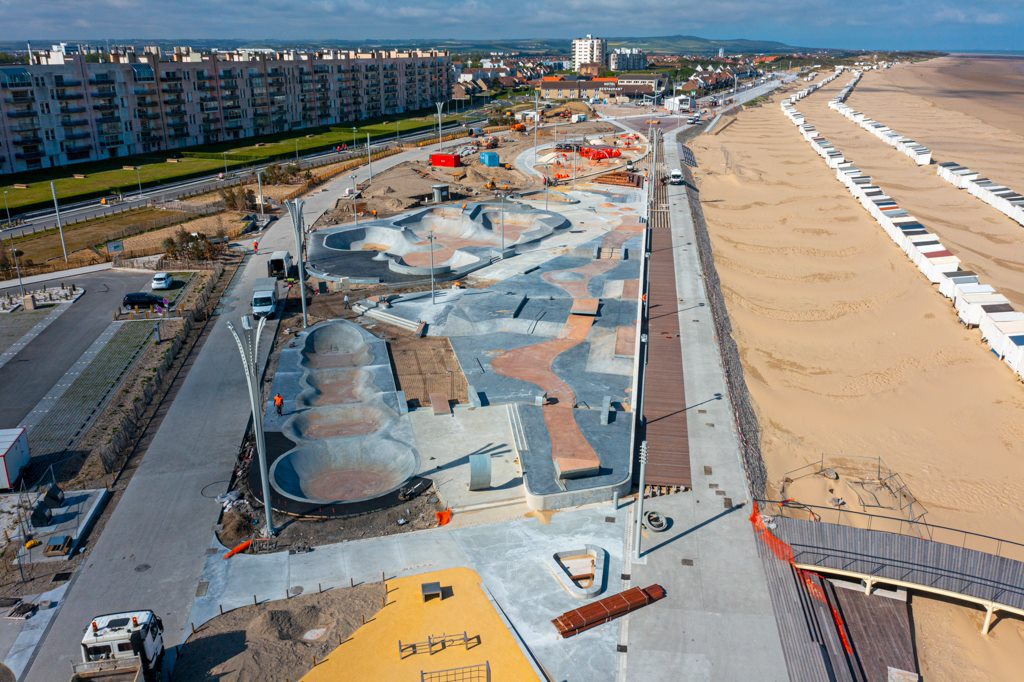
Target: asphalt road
point(154, 545)
point(32, 373)
point(83, 210)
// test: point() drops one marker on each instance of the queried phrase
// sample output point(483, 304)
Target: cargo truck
point(264, 297)
point(121, 647)
point(280, 265)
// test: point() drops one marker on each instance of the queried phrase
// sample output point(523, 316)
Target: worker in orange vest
point(278, 403)
point(255, 247)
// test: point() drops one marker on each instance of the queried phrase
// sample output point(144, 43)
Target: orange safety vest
point(278, 401)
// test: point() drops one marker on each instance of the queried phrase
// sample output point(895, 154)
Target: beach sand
point(849, 352)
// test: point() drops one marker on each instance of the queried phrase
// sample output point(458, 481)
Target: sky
point(869, 24)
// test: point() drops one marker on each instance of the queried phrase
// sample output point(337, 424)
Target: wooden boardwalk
point(664, 401)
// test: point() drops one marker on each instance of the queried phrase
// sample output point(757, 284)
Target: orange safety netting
point(783, 552)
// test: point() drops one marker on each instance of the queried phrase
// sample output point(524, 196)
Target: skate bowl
point(352, 441)
point(446, 241)
point(356, 470)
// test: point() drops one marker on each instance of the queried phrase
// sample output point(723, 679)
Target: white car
point(161, 280)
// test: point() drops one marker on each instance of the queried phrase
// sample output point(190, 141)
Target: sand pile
point(276, 640)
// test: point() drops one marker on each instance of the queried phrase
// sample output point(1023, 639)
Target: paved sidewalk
point(50, 276)
point(36, 329)
point(717, 622)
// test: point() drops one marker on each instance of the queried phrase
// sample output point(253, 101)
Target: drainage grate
point(719, 492)
point(203, 587)
point(625, 576)
point(728, 502)
point(687, 562)
point(707, 471)
point(609, 519)
point(621, 648)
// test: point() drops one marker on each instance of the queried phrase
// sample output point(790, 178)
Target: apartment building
point(627, 59)
point(589, 50)
point(62, 109)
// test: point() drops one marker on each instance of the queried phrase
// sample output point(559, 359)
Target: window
point(124, 646)
point(98, 651)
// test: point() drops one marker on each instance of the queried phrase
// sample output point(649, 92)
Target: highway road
point(84, 210)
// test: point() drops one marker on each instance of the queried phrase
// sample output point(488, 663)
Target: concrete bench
point(439, 401)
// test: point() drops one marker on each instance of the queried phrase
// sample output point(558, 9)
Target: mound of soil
point(276, 640)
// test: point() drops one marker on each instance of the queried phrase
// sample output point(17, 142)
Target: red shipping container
point(449, 160)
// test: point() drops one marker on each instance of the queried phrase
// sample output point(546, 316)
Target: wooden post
point(254, 600)
point(221, 606)
point(193, 628)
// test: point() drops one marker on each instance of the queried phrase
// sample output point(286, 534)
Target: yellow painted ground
point(372, 652)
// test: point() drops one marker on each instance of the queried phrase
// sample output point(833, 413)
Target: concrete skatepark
point(446, 241)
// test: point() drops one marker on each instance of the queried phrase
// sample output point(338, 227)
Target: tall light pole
point(14, 249)
point(259, 184)
point(640, 502)
point(354, 191)
point(298, 225)
point(440, 105)
point(249, 349)
point(225, 154)
point(431, 238)
point(369, 166)
point(60, 227)
point(296, 150)
point(138, 178)
point(536, 121)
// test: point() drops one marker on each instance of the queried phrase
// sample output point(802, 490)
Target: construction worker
point(255, 247)
point(278, 403)
point(345, 301)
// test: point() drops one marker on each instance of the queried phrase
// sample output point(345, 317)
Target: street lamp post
point(296, 151)
point(249, 349)
point(369, 166)
point(138, 178)
point(298, 225)
point(60, 227)
point(431, 238)
point(354, 212)
point(14, 249)
point(536, 122)
point(225, 154)
point(440, 105)
point(640, 502)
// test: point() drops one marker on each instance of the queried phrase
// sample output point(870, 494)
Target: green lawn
point(108, 177)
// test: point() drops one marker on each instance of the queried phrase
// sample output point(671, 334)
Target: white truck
point(578, 118)
point(676, 177)
point(264, 297)
point(279, 265)
point(121, 647)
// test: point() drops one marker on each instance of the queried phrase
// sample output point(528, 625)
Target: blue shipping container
point(490, 159)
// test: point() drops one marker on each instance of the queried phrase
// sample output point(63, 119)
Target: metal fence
point(746, 418)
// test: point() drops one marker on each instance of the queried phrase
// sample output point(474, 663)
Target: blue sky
point(873, 24)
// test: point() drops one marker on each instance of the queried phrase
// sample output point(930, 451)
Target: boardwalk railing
point(951, 562)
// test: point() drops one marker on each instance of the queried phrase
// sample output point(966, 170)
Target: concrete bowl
point(335, 345)
point(343, 471)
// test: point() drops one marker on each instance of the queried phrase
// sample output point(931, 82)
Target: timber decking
point(880, 632)
point(664, 401)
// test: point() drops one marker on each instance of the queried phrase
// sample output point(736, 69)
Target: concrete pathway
point(36, 329)
point(717, 622)
point(155, 543)
point(50, 276)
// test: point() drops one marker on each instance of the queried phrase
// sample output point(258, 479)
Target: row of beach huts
point(1000, 197)
point(976, 304)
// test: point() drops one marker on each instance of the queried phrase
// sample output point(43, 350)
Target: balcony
point(104, 107)
point(101, 81)
point(111, 141)
point(147, 103)
point(71, 110)
point(172, 89)
point(73, 149)
point(74, 122)
point(76, 136)
point(24, 113)
point(108, 119)
point(65, 83)
point(170, 78)
point(67, 96)
point(147, 115)
point(175, 111)
point(27, 98)
point(28, 156)
point(174, 100)
point(27, 140)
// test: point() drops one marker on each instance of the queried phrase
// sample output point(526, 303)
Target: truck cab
point(264, 297)
point(128, 645)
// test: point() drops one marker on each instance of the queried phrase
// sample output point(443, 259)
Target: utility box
point(14, 455)
point(490, 159)
point(446, 160)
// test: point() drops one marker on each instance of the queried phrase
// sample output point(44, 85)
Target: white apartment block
point(62, 109)
point(589, 50)
point(627, 59)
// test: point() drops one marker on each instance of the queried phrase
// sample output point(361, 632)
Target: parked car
point(140, 299)
point(161, 280)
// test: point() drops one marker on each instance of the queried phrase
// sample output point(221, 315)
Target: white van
point(264, 297)
point(676, 177)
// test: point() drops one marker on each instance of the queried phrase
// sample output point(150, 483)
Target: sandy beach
point(850, 353)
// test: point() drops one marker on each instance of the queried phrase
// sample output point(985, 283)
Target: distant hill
point(656, 45)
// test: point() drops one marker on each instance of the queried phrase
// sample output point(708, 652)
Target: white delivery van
point(676, 178)
point(264, 297)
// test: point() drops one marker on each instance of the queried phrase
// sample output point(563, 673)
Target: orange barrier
point(238, 548)
point(443, 517)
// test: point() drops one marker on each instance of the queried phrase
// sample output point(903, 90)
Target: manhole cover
point(142, 568)
point(314, 634)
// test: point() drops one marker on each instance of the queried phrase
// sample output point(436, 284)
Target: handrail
point(795, 505)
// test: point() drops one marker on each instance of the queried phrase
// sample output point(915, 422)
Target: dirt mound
point(273, 640)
